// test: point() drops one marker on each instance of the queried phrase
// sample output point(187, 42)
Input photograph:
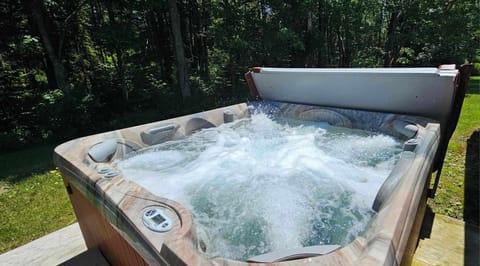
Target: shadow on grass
point(474, 85)
point(471, 211)
point(18, 165)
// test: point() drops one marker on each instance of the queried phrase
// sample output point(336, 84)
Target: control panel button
point(150, 212)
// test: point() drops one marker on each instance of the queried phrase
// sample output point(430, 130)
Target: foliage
point(74, 68)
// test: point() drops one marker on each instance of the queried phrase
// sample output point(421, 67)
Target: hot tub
point(136, 222)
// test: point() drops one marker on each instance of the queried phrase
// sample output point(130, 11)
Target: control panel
point(156, 219)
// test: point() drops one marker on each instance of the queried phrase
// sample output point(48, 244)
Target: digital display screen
point(158, 219)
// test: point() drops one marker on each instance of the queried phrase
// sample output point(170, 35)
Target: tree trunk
point(205, 18)
point(390, 44)
point(182, 64)
point(38, 16)
point(299, 26)
point(119, 62)
point(322, 34)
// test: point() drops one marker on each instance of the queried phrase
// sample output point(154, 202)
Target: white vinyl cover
point(424, 92)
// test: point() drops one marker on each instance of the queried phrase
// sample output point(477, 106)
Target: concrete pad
point(52, 249)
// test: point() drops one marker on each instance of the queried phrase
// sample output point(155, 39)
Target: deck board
point(52, 249)
point(451, 242)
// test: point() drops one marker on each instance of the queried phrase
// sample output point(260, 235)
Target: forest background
point(72, 68)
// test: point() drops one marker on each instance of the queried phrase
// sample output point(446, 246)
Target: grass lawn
point(33, 200)
point(449, 199)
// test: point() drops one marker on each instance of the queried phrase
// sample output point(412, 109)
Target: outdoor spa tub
point(326, 166)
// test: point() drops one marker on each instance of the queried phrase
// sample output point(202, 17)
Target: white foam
point(256, 185)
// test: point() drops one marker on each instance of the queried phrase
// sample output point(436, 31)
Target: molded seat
point(296, 253)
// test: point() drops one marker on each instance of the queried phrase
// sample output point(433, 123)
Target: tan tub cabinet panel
point(98, 232)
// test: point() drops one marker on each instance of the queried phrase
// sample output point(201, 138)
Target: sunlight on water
point(257, 184)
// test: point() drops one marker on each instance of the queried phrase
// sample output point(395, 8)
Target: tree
point(112, 63)
point(40, 19)
point(182, 62)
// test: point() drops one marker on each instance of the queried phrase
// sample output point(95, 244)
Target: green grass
point(449, 199)
point(33, 200)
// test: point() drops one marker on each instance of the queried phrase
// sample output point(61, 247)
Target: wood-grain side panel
point(98, 233)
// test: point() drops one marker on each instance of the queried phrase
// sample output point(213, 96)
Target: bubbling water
point(260, 184)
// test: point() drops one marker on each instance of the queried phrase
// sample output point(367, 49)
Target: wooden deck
point(62, 247)
point(450, 242)
point(447, 241)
